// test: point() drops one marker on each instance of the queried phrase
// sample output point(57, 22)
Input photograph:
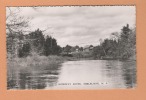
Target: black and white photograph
point(71, 47)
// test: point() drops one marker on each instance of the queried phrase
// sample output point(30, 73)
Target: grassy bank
point(33, 63)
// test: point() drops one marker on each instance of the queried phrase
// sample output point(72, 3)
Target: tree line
point(121, 45)
point(22, 45)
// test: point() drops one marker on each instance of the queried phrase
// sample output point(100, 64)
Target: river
point(84, 74)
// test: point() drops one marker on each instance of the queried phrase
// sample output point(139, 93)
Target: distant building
point(75, 49)
point(88, 48)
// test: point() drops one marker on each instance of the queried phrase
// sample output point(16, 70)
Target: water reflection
point(104, 74)
point(33, 80)
point(121, 73)
point(129, 74)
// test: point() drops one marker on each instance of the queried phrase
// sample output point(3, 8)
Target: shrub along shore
point(34, 63)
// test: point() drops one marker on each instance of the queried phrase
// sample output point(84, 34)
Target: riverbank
point(33, 63)
point(36, 62)
point(132, 58)
point(77, 58)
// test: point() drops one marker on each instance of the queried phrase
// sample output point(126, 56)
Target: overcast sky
point(81, 26)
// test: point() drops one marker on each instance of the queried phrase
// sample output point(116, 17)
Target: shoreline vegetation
point(52, 62)
point(34, 51)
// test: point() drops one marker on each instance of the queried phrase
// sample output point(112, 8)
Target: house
point(75, 49)
point(88, 48)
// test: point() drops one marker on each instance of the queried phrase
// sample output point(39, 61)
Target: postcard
point(72, 50)
point(71, 47)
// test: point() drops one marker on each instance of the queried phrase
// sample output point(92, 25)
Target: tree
point(101, 42)
point(67, 49)
point(15, 26)
point(124, 42)
point(51, 47)
point(37, 41)
point(98, 52)
point(25, 50)
point(47, 46)
point(120, 45)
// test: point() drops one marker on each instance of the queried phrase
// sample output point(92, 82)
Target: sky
point(80, 25)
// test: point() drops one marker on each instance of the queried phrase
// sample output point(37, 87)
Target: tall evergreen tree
point(36, 40)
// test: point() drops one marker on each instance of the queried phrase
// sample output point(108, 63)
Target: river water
point(84, 74)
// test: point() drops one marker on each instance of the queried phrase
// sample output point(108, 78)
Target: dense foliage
point(122, 46)
point(32, 43)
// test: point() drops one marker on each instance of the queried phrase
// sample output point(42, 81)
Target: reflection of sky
point(80, 25)
point(102, 74)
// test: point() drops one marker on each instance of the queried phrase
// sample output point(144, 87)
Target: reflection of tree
point(129, 74)
point(33, 79)
point(121, 73)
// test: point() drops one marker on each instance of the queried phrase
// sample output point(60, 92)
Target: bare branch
point(15, 22)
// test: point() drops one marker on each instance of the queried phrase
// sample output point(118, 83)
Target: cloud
point(80, 25)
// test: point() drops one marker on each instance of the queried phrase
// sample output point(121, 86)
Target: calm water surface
point(87, 74)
